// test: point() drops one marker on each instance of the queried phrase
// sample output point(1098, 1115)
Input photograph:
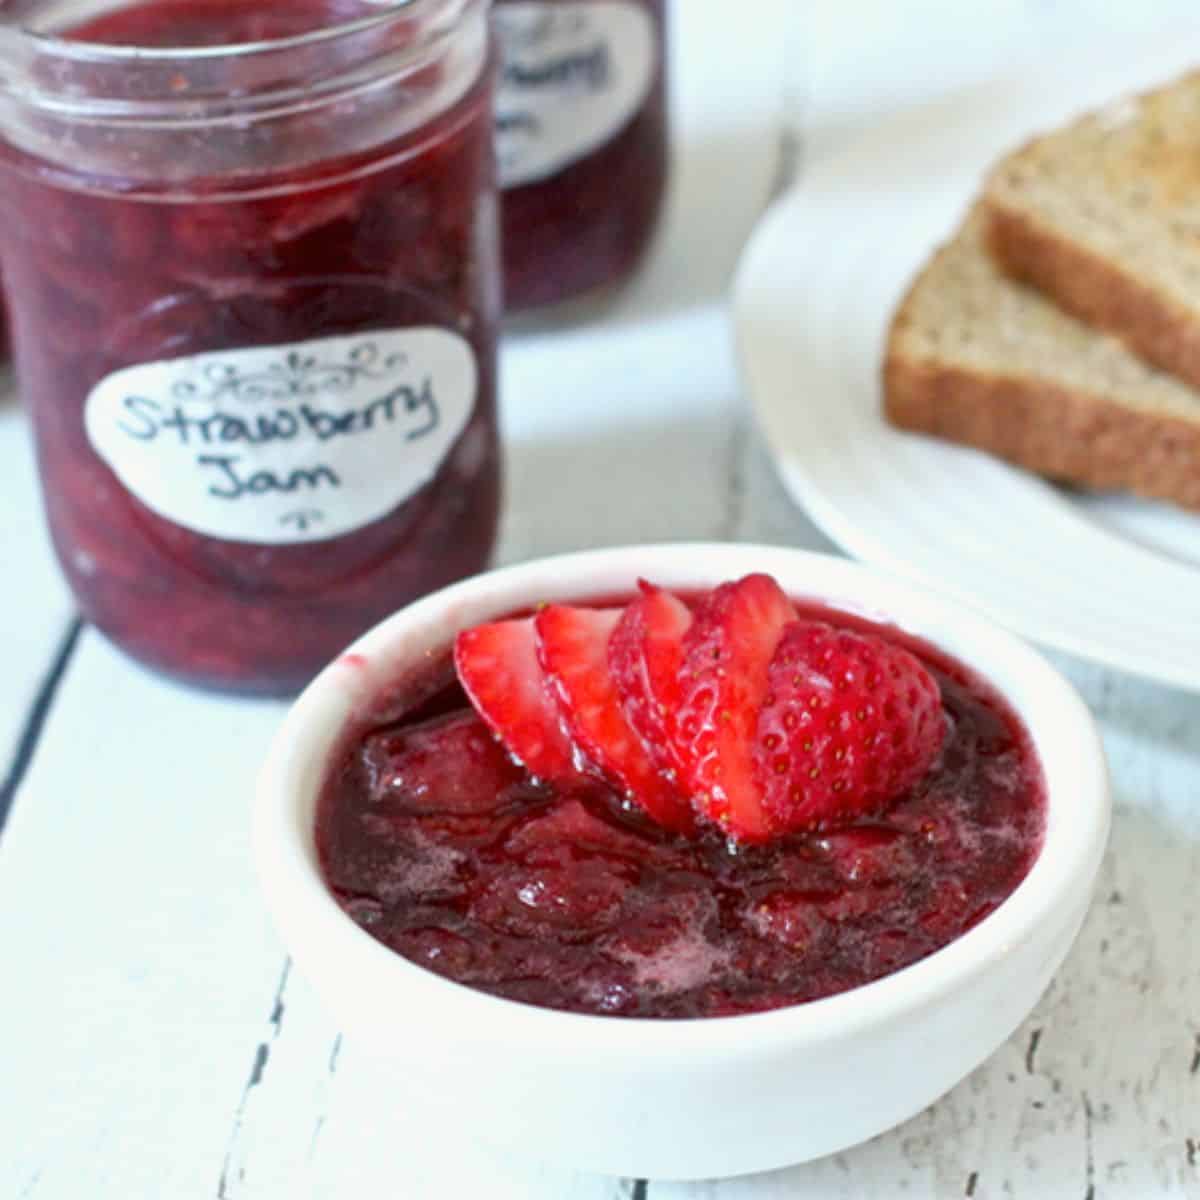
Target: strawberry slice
point(645, 653)
point(727, 657)
point(852, 722)
point(573, 650)
point(498, 668)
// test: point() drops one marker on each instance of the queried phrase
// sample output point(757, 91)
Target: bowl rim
point(1073, 762)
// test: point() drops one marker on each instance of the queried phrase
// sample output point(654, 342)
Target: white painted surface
point(140, 975)
point(35, 608)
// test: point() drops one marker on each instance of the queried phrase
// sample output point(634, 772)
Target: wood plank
point(130, 916)
point(321, 1120)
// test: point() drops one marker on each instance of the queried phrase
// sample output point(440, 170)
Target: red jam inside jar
point(435, 843)
point(582, 142)
point(254, 295)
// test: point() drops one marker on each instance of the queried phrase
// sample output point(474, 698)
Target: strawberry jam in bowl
point(666, 809)
point(253, 276)
point(661, 852)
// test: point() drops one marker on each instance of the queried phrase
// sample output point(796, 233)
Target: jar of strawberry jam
point(252, 258)
point(582, 142)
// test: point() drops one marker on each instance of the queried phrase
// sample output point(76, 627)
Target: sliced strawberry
point(498, 668)
point(573, 650)
point(645, 653)
point(852, 722)
point(727, 656)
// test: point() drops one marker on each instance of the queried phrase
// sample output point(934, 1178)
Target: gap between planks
point(230, 1179)
point(35, 719)
point(258, 1066)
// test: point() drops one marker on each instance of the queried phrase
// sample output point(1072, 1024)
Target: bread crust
point(1072, 436)
point(1155, 327)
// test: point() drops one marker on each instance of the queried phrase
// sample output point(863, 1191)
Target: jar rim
point(80, 49)
point(67, 79)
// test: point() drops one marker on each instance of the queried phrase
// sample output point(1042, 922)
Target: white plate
point(1111, 579)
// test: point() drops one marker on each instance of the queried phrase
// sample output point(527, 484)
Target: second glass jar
point(582, 137)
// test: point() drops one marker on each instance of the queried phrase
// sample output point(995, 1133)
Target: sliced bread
point(976, 358)
point(1104, 217)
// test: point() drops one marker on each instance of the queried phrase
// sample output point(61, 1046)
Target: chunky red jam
point(586, 225)
point(109, 269)
point(173, 23)
point(446, 852)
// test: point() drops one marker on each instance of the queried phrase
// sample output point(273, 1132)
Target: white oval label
point(571, 76)
point(284, 444)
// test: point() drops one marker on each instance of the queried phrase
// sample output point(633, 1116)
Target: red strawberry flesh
point(645, 654)
point(727, 657)
point(850, 723)
point(573, 651)
point(499, 670)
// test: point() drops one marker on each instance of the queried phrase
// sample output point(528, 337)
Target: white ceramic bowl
point(686, 1099)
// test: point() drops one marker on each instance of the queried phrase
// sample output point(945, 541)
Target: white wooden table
point(154, 1042)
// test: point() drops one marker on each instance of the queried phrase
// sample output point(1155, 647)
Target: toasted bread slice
point(976, 358)
point(1104, 217)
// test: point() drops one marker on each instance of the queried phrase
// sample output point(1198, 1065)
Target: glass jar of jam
point(252, 260)
point(581, 134)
